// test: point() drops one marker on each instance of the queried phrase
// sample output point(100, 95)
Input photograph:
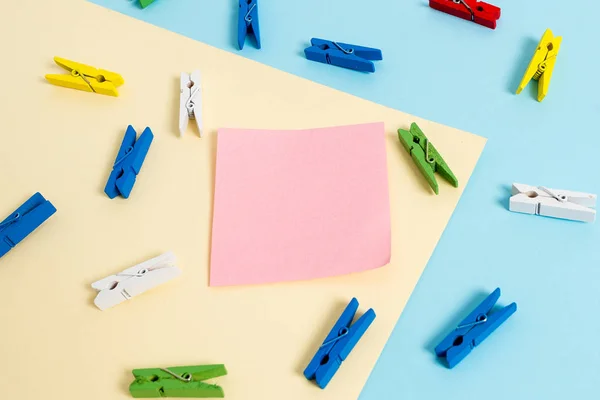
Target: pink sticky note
point(297, 205)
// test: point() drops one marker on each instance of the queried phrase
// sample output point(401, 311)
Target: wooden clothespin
point(136, 280)
point(86, 78)
point(23, 221)
point(343, 55)
point(128, 163)
point(427, 158)
point(177, 382)
point(190, 101)
point(542, 64)
point(472, 10)
point(248, 22)
point(474, 329)
point(338, 344)
point(575, 206)
point(146, 3)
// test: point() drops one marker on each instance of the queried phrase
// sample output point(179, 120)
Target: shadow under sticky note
point(298, 205)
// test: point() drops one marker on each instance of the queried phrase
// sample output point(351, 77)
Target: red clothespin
point(477, 11)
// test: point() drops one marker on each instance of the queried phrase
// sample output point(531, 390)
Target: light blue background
point(464, 75)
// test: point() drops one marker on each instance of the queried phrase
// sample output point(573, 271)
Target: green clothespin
point(426, 156)
point(146, 3)
point(177, 382)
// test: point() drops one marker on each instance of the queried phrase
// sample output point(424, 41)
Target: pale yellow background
point(54, 343)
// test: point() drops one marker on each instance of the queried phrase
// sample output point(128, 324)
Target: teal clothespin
point(426, 156)
point(146, 3)
point(177, 382)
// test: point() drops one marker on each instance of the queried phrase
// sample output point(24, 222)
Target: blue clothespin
point(23, 221)
point(474, 329)
point(128, 163)
point(248, 22)
point(338, 344)
point(343, 55)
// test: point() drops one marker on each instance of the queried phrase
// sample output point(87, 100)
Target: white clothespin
point(190, 104)
point(134, 281)
point(575, 206)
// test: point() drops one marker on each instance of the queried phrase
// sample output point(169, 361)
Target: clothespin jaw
point(425, 155)
point(134, 281)
point(343, 55)
point(146, 3)
point(248, 22)
point(556, 203)
point(190, 102)
point(472, 10)
point(542, 64)
point(23, 221)
point(474, 329)
point(177, 382)
point(128, 163)
point(338, 344)
point(86, 78)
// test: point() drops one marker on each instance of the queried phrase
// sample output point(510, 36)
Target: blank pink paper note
point(297, 205)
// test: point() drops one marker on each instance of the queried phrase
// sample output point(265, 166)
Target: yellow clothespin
point(541, 65)
point(86, 78)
